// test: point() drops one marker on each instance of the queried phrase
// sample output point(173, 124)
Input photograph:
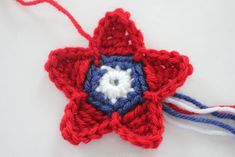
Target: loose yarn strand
point(210, 132)
point(196, 119)
point(199, 111)
point(188, 99)
point(62, 10)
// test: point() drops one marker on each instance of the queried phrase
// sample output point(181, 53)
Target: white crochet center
point(115, 83)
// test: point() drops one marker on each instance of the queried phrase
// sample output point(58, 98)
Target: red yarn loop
point(62, 10)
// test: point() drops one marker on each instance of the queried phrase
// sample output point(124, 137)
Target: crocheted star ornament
point(116, 84)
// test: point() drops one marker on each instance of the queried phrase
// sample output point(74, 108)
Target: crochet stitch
point(132, 90)
point(135, 115)
point(143, 125)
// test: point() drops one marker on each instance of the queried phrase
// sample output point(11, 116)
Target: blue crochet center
point(122, 105)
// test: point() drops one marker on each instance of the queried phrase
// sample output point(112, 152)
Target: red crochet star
point(164, 72)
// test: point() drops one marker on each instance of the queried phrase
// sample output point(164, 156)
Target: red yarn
point(116, 34)
point(61, 9)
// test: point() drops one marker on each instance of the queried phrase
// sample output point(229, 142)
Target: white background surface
point(31, 107)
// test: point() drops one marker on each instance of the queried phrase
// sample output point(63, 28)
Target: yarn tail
point(186, 108)
point(60, 9)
